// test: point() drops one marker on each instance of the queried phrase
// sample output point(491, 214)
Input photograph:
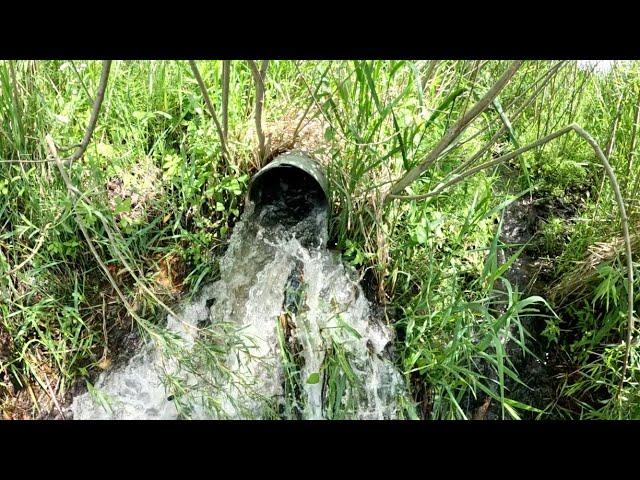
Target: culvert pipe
point(294, 178)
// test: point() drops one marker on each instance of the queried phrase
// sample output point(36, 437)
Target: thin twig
point(504, 158)
point(610, 145)
point(455, 130)
point(297, 130)
point(505, 121)
point(473, 74)
point(619, 200)
point(93, 119)
point(136, 278)
point(315, 100)
point(614, 128)
point(84, 87)
point(52, 394)
point(258, 80)
point(33, 252)
point(17, 108)
point(70, 147)
point(105, 350)
point(226, 76)
point(212, 112)
point(634, 137)
point(544, 79)
point(429, 73)
point(16, 101)
point(552, 71)
point(627, 240)
point(17, 160)
point(72, 193)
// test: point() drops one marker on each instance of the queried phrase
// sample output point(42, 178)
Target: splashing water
point(286, 332)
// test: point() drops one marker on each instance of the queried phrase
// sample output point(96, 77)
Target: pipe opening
point(293, 183)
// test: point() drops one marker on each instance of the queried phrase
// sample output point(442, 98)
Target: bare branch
point(619, 200)
point(226, 74)
point(634, 131)
point(455, 130)
point(212, 112)
point(93, 119)
point(258, 80)
point(84, 87)
point(552, 71)
point(73, 194)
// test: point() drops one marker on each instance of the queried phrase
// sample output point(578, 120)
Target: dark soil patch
point(531, 273)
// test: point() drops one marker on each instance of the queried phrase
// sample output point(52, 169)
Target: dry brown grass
point(575, 282)
point(139, 185)
point(38, 398)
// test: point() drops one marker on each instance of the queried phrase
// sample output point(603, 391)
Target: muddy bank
point(531, 274)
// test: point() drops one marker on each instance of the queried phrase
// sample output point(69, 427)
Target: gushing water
point(286, 332)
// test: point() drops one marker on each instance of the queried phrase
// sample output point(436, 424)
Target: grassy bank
point(157, 195)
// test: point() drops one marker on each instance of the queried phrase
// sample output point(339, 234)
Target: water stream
point(285, 332)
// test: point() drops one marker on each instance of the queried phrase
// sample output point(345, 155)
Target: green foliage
point(560, 177)
point(553, 236)
point(153, 175)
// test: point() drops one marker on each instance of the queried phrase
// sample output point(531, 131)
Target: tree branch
point(455, 131)
point(73, 194)
point(258, 80)
point(619, 200)
point(212, 112)
point(93, 119)
point(552, 71)
point(226, 74)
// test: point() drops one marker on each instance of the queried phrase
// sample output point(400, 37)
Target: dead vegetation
point(580, 279)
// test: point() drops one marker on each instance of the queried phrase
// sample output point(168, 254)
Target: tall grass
point(155, 191)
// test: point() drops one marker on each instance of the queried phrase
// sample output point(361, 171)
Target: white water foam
point(245, 379)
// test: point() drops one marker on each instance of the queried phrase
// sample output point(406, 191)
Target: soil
point(531, 273)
